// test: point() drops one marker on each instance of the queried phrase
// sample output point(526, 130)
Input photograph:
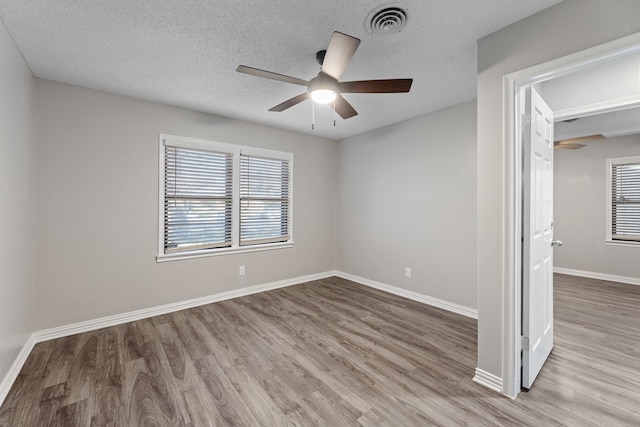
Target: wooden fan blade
point(376, 86)
point(339, 53)
point(290, 102)
point(270, 75)
point(568, 146)
point(343, 108)
point(579, 139)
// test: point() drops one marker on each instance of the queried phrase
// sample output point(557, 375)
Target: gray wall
point(16, 201)
point(580, 214)
point(407, 198)
point(568, 27)
point(97, 206)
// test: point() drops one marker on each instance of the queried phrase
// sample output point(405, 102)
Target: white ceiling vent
point(386, 19)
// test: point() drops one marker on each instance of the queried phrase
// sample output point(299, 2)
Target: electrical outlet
point(241, 270)
point(407, 272)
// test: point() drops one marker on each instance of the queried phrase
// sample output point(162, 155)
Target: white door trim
point(512, 191)
point(599, 108)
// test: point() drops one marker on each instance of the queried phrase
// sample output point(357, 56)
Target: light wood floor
point(331, 353)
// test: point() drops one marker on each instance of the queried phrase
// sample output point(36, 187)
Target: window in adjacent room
point(623, 180)
point(218, 198)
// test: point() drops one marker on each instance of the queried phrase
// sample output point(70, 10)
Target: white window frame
point(236, 151)
point(610, 164)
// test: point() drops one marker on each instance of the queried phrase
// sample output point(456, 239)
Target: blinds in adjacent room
point(197, 199)
point(625, 201)
point(264, 200)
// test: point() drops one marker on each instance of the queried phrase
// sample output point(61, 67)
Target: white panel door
point(537, 289)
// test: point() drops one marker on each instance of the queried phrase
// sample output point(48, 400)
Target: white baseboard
point(445, 305)
point(598, 276)
point(10, 378)
point(104, 322)
point(488, 380)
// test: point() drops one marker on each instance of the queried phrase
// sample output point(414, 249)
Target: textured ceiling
point(611, 124)
point(185, 52)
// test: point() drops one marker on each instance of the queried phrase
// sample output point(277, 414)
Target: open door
point(537, 254)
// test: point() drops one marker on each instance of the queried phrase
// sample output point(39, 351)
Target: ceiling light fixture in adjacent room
point(573, 143)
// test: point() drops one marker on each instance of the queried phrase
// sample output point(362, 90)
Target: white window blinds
point(197, 199)
point(218, 198)
point(264, 200)
point(625, 201)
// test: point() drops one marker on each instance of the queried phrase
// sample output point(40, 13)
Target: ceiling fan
point(326, 88)
point(573, 143)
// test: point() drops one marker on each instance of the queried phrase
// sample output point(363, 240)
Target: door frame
point(513, 107)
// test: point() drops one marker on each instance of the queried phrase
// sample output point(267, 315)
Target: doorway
point(515, 85)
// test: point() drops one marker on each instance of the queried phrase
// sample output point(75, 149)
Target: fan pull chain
point(334, 111)
point(313, 115)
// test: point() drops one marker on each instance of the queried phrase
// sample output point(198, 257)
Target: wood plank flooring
point(331, 353)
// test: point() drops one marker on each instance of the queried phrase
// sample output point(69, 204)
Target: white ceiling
point(185, 52)
point(610, 125)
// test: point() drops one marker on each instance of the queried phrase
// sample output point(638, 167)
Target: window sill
point(222, 251)
point(623, 243)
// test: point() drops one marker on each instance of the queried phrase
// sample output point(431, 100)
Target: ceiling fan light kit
point(323, 88)
point(326, 88)
point(323, 96)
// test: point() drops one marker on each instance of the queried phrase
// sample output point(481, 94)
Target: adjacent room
point(193, 236)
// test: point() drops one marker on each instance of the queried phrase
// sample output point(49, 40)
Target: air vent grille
point(386, 19)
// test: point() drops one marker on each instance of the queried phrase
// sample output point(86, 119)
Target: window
point(264, 200)
point(218, 198)
point(197, 199)
point(624, 200)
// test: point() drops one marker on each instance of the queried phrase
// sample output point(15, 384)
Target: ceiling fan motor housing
point(322, 82)
point(320, 56)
